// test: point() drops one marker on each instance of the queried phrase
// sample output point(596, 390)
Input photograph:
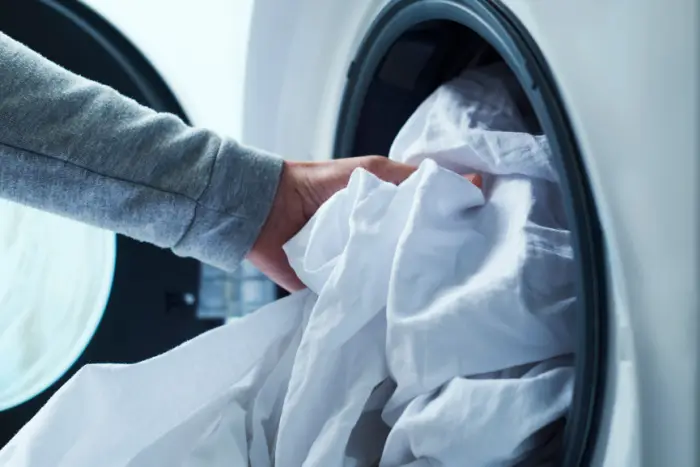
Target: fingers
point(393, 172)
point(475, 179)
point(275, 265)
point(396, 172)
point(383, 167)
point(287, 279)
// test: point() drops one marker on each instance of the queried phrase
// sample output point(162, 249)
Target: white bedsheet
point(437, 328)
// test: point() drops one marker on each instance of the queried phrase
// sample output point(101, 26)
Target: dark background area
point(145, 315)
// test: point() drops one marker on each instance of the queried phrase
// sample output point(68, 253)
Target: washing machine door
point(614, 87)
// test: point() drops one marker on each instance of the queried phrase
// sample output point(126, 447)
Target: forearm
point(80, 149)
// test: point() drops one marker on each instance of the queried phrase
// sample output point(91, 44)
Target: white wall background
point(198, 47)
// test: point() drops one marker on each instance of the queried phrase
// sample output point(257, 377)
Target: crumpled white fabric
point(437, 328)
point(511, 304)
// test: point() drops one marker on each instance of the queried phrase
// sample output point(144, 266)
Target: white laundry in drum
point(437, 327)
point(55, 278)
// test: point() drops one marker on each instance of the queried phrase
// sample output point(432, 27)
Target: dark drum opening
point(415, 46)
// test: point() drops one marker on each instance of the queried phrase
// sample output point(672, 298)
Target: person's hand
point(303, 188)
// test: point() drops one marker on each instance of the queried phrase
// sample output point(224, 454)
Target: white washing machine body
point(626, 73)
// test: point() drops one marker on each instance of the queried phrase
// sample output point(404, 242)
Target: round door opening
point(416, 46)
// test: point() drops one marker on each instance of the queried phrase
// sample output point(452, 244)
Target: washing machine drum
point(416, 46)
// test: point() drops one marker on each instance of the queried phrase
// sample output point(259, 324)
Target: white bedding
point(437, 328)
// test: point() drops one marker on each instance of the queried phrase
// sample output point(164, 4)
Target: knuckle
point(375, 164)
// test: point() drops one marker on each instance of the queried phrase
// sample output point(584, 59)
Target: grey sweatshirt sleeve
point(82, 150)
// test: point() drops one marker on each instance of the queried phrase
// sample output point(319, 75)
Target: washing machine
point(614, 86)
point(150, 308)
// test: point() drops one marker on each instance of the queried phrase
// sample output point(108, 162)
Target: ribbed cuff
point(230, 213)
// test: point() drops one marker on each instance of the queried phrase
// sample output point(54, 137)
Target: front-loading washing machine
point(614, 86)
point(148, 311)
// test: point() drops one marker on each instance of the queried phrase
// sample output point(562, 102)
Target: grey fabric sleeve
point(82, 150)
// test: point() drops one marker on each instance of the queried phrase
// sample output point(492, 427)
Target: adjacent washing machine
point(614, 86)
point(149, 309)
